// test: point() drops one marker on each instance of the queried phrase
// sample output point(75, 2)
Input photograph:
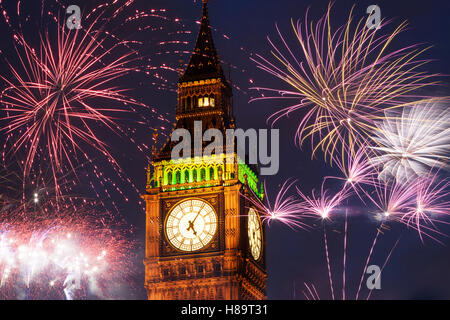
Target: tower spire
point(205, 62)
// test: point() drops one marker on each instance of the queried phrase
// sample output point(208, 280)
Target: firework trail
point(384, 266)
point(343, 78)
point(312, 293)
point(368, 260)
point(327, 255)
point(412, 142)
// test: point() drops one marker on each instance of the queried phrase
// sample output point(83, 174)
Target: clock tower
point(204, 239)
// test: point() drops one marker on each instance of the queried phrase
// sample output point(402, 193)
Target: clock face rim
point(207, 244)
point(256, 214)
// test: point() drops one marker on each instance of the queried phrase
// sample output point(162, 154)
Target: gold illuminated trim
point(200, 83)
point(200, 113)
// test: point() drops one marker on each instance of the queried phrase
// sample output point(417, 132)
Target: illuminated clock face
point(191, 225)
point(254, 234)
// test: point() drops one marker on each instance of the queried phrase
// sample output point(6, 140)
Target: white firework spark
point(412, 143)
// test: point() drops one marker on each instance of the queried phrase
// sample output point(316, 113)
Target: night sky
point(416, 270)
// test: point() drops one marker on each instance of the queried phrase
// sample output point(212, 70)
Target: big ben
point(204, 239)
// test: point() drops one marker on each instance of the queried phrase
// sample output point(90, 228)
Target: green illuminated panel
point(203, 172)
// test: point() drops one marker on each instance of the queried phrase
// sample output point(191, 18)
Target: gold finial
point(155, 134)
point(205, 1)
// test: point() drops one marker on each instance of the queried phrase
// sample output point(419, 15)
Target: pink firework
point(431, 204)
point(323, 205)
point(285, 208)
point(356, 167)
point(420, 203)
point(53, 103)
point(392, 198)
point(357, 170)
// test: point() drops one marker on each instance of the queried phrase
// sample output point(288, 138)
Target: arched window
point(206, 102)
point(194, 175)
point(186, 176)
point(177, 177)
point(203, 174)
point(195, 101)
point(189, 103)
point(211, 174)
point(169, 177)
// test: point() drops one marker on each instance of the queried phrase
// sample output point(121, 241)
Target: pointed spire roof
point(204, 63)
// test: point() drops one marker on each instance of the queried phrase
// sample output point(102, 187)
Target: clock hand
point(191, 226)
point(198, 213)
point(191, 223)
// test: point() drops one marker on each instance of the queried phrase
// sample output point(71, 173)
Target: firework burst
point(412, 142)
point(421, 203)
point(285, 208)
point(391, 198)
point(359, 173)
point(324, 204)
point(431, 198)
point(54, 103)
point(63, 253)
point(429, 206)
point(343, 78)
